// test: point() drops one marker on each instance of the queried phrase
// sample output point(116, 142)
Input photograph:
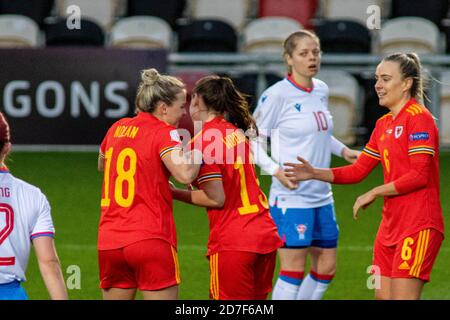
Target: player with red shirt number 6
point(405, 142)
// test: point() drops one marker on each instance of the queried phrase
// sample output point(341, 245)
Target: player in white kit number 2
point(294, 113)
point(24, 220)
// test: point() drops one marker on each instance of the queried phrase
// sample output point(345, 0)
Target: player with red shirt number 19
point(243, 238)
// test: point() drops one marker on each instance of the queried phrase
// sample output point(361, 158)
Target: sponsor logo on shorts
point(301, 229)
point(404, 266)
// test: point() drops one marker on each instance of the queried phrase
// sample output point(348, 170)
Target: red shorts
point(413, 257)
point(239, 275)
point(150, 264)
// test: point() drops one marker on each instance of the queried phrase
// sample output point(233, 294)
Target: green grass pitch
point(73, 187)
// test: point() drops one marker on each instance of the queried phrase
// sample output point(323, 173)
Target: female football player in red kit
point(405, 141)
point(243, 238)
point(137, 238)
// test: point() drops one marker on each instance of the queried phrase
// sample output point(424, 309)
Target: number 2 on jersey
point(122, 176)
point(6, 210)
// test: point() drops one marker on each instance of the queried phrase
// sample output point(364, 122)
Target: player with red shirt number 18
point(137, 238)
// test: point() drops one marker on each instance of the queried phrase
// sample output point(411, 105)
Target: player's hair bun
point(149, 76)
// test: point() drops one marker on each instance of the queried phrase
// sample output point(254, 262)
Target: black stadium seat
point(343, 36)
point(169, 10)
point(90, 34)
point(434, 10)
point(247, 83)
point(37, 10)
point(207, 36)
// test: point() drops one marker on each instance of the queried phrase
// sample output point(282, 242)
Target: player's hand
point(285, 181)
point(299, 171)
point(350, 155)
point(362, 202)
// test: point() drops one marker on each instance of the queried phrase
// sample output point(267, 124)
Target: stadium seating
point(266, 35)
point(445, 109)
point(90, 34)
point(248, 83)
point(433, 10)
point(37, 10)
point(344, 36)
point(343, 102)
point(207, 36)
point(301, 10)
point(141, 32)
point(169, 10)
point(409, 34)
point(234, 12)
point(350, 9)
point(18, 31)
point(99, 11)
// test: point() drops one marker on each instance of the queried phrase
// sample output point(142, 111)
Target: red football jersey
point(243, 223)
point(136, 198)
point(413, 131)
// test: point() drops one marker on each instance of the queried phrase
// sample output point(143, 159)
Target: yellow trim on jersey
point(210, 179)
point(421, 250)
point(421, 149)
point(166, 151)
point(371, 149)
point(421, 146)
point(209, 173)
point(214, 275)
point(431, 153)
point(384, 116)
point(177, 266)
point(414, 110)
point(370, 152)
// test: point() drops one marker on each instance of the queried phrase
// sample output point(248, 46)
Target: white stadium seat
point(343, 102)
point(266, 35)
point(352, 9)
point(99, 11)
point(409, 34)
point(141, 32)
point(234, 12)
point(18, 31)
point(444, 116)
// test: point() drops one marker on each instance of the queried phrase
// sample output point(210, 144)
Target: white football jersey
point(298, 122)
point(24, 215)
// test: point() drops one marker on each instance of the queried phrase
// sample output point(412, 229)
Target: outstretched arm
point(266, 163)
point(353, 173)
point(305, 171)
point(50, 267)
point(211, 195)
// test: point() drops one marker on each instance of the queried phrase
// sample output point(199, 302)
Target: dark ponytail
point(220, 95)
